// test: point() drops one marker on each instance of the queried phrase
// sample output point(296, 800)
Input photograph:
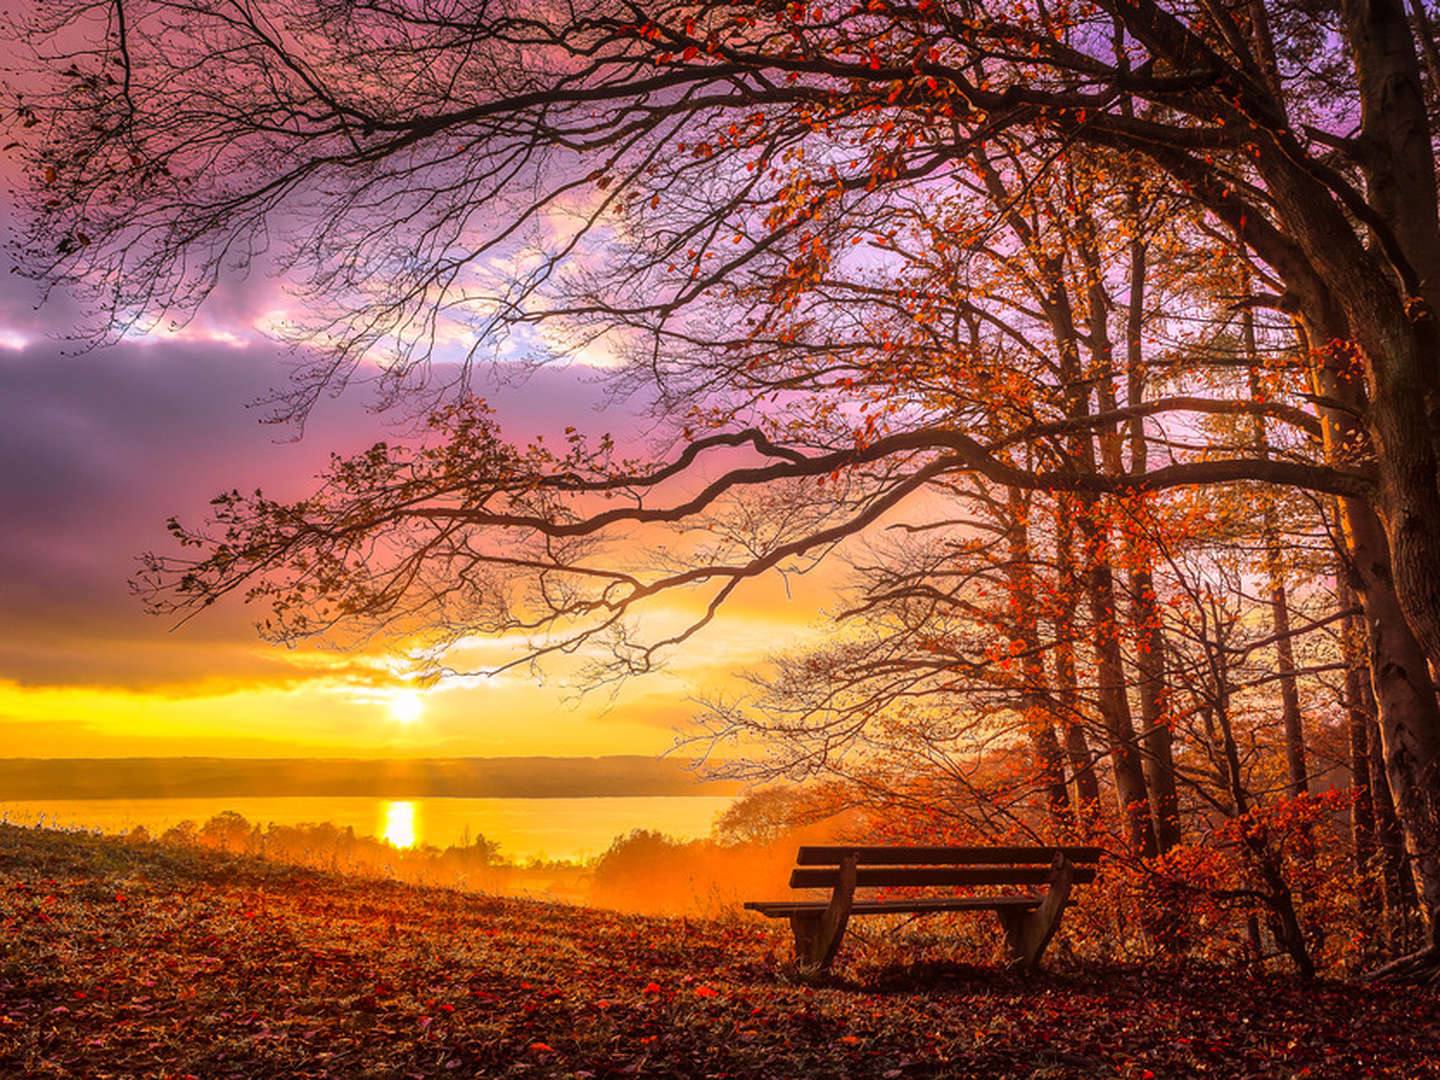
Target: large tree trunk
point(1356, 295)
point(1400, 344)
point(1409, 718)
point(1396, 329)
point(1407, 711)
point(1379, 305)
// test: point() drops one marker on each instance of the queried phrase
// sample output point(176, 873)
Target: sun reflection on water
point(398, 824)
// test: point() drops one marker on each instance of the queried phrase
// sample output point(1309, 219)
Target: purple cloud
point(100, 447)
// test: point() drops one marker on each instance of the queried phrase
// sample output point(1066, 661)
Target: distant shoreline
point(705, 791)
point(620, 776)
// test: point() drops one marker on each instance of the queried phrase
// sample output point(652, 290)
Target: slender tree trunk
point(1112, 690)
point(1156, 735)
point(1024, 615)
point(1275, 572)
point(1425, 32)
point(1285, 921)
point(1362, 808)
point(1130, 789)
point(1098, 577)
point(1050, 761)
point(1299, 782)
point(1077, 746)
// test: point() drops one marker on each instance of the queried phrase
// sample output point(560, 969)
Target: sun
point(397, 825)
point(406, 706)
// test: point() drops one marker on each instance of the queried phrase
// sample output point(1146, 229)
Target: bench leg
point(806, 927)
point(818, 933)
point(1015, 923)
point(1029, 932)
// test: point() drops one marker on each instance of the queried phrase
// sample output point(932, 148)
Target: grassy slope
point(121, 961)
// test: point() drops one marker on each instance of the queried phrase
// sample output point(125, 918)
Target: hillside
point(137, 961)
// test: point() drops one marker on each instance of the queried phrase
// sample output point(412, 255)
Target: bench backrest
point(878, 867)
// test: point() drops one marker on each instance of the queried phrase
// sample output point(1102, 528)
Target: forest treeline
point(644, 870)
point(399, 778)
point(1100, 341)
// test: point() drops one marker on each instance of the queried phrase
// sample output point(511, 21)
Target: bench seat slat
point(779, 909)
point(875, 877)
point(879, 855)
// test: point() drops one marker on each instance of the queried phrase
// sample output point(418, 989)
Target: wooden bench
point(1029, 920)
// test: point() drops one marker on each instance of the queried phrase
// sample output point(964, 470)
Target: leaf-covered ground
point(121, 961)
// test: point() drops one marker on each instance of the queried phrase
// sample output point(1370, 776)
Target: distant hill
point(193, 777)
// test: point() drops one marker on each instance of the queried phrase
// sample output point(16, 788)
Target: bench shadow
point(928, 976)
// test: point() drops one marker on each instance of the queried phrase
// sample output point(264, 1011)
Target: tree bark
point(1401, 900)
point(1155, 733)
point(1408, 717)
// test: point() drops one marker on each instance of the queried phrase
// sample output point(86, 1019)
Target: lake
point(525, 829)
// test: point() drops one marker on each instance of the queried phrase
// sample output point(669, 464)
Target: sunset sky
point(101, 446)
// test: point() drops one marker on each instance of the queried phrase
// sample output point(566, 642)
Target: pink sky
point(102, 445)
